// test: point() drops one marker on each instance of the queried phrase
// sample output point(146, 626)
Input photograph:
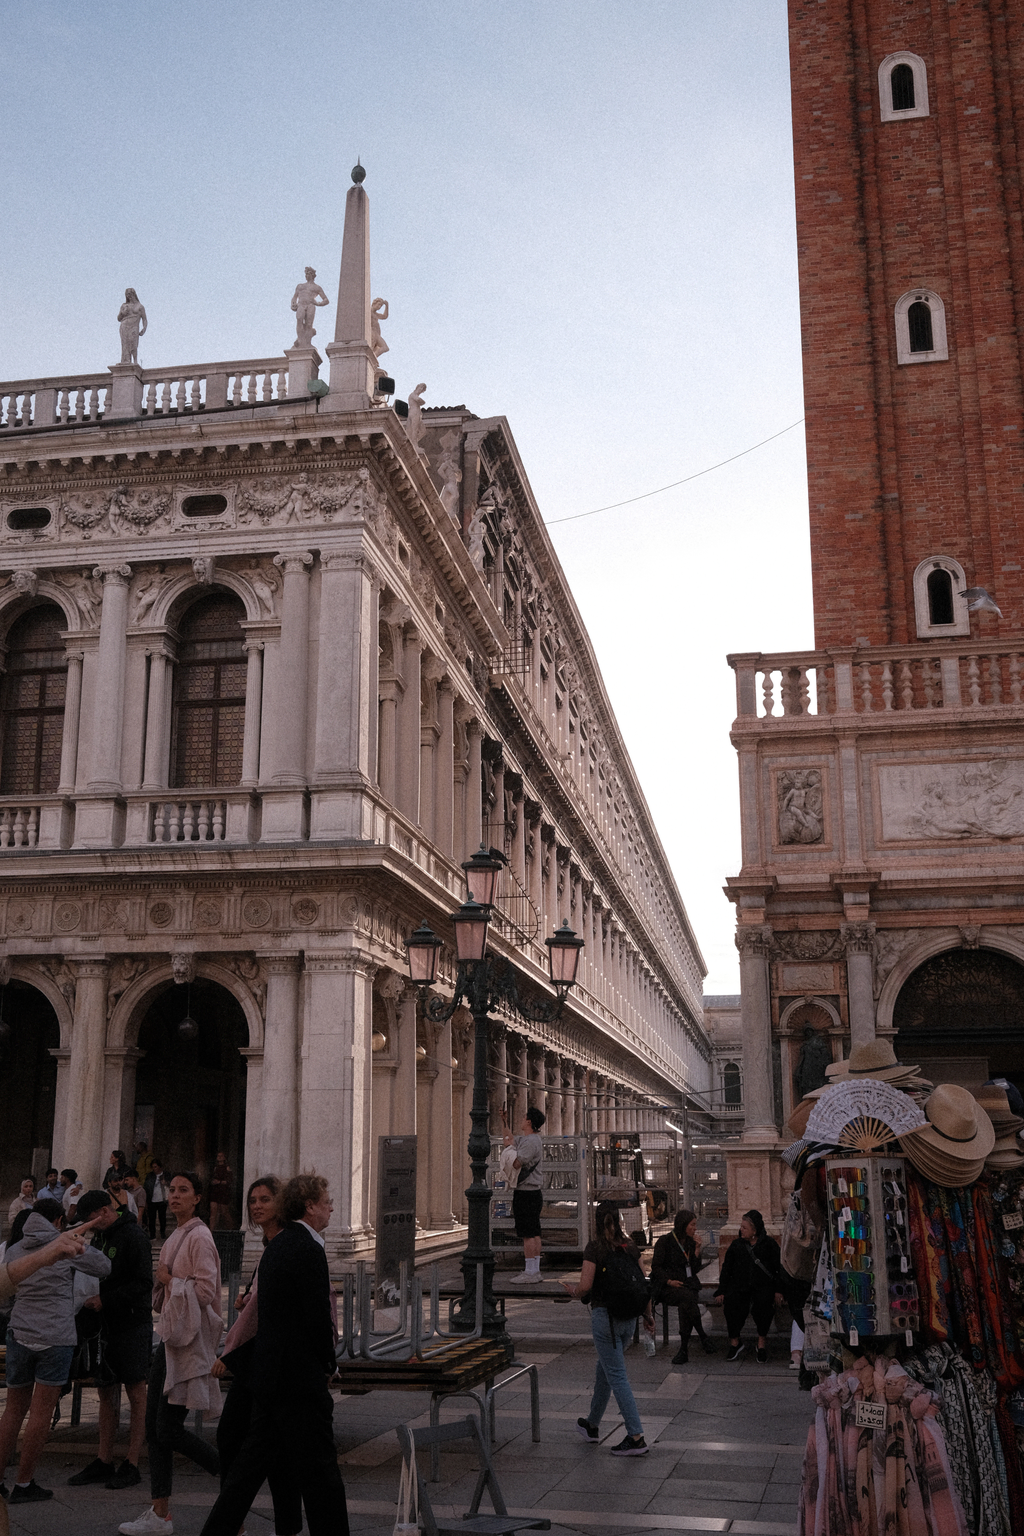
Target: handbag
point(407, 1515)
point(800, 1238)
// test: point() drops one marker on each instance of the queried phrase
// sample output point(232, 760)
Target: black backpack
point(621, 1285)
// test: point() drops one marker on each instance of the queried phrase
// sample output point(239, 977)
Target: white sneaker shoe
point(149, 1524)
point(524, 1279)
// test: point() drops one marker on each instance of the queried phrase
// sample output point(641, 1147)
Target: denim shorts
point(50, 1367)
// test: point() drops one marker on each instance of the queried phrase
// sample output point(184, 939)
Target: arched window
point(939, 610)
point(209, 695)
point(33, 703)
point(920, 317)
point(731, 1092)
point(902, 87)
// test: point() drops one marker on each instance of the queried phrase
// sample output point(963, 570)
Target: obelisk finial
point(353, 363)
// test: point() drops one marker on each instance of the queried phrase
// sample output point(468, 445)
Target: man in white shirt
point(528, 1198)
point(72, 1190)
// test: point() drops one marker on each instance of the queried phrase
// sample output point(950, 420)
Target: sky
point(582, 219)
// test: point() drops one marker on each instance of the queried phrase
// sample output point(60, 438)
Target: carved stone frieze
point(138, 509)
point(826, 944)
point(801, 810)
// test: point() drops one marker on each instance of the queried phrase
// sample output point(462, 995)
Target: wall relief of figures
point(800, 805)
point(952, 800)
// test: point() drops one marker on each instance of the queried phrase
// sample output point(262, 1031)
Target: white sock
point(533, 1266)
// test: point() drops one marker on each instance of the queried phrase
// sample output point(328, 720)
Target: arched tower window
point(209, 695)
point(731, 1090)
point(902, 87)
point(920, 317)
point(939, 610)
point(33, 703)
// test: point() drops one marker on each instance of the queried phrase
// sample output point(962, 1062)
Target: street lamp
point(484, 981)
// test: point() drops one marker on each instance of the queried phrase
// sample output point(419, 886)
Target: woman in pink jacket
point(188, 1323)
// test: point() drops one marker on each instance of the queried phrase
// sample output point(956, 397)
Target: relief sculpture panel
point(801, 812)
point(926, 801)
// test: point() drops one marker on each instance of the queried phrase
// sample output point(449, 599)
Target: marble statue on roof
point(306, 300)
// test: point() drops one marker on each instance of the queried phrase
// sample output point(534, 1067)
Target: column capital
point(282, 965)
point(345, 560)
point(754, 940)
point(252, 647)
point(96, 966)
point(294, 560)
point(113, 575)
point(859, 938)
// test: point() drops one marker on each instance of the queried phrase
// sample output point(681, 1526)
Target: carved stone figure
point(378, 311)
point(85, 512)
point(450, 473)
point(147, 596)
point(123, 974)
point(264, 584)
point(953, 800)
point(183, 967)
point(414, 423)
point(203, 566)
point(136, 511)
point(306, 300)
point(814, 1057)
point(26, 582)
point(132, 320)
point(801, 818)
point(477, 534)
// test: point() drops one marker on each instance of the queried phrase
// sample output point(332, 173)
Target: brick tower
point(882, 774)
point(908, 117)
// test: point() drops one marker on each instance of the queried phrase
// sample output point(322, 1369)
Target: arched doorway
point(967, 1006)
point(29, 1031)
point(190, 1083)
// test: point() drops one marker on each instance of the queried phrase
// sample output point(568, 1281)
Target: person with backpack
point(750, 1281)
point(617, 1290)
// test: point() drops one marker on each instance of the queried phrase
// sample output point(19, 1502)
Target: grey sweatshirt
point(43, 1314)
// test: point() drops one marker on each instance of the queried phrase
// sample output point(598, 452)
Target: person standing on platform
point(220, 1194)
point(125, 1307)
point(156, 1199)
point(186, 1299)
point(528, 1195)
point(292, 1423)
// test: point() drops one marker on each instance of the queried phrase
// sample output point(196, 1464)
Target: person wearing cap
point(528, 1196)
point(750, 1281)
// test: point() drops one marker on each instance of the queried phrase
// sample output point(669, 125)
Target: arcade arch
point(963, 1006)
point(29, 1043)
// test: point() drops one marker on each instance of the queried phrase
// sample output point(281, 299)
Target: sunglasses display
point(869, 1243)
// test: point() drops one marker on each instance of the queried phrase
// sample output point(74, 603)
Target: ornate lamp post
point(484, 982)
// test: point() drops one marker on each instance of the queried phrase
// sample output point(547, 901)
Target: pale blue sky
point(581, 217)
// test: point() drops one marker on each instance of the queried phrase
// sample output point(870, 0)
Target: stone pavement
point(727, 1444)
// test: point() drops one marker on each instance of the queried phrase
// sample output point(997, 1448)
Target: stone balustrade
point(965, 674)
point(177, 817)
point(27, 404)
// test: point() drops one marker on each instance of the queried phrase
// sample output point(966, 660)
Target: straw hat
point(951, 1149)
point(1007, 1153)
point(996, 1104)
point(875, 1058)
point(797, 1121)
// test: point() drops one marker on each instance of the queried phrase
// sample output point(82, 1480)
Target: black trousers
point(740, 1303)
point(232, 1429)
point(687, 1304)
point(296, 1434)
point(166, 1433)
point(152, 1210)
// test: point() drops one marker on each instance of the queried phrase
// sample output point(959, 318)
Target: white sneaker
point(524, 1279)
point(149, 1524)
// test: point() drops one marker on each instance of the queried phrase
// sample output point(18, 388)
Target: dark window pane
point(33, 703)
point(940, 598)
point(902, 82)
point(209, 695)
point(919, 317)
point(731, 1083)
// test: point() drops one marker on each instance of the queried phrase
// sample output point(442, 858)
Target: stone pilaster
point(83, 1128)
point(859, 939)
point(758, 1098)
point(277, 1147)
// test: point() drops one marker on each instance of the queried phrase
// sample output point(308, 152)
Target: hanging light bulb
point(188, 1028)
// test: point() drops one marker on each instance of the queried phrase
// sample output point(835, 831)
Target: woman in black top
point(675, 1279)
point(751, 1281)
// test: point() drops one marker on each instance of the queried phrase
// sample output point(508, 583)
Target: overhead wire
point(575, 516)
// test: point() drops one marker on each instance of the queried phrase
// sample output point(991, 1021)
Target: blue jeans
point(611, 1335)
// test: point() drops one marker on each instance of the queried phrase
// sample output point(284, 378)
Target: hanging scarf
point(931, 1264)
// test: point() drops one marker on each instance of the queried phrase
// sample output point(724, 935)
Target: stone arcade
point(276, 661)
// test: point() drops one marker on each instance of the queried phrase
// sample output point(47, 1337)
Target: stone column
point(72, 721)
point(441, 1215)
point(253, 713)
point(498, 1076)
point(515, 1050)
point(536, 1093)
point(346, 697)
point(444, 769)
point(755, 1011)
point(403, 1119)
point(334, 1107)
point(278, 1133)
point(83, 1132)
point(860, 949)
point(108, 703)
point(388, 738)
point(568, 1099)
point(155, 772)
point(290, 705)
point(408, 795)
point(579, 1083)
point(553, 1091)
point(474, 804)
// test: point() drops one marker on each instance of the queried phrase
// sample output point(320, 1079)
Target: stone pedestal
point(126, 392)
point(303, 365)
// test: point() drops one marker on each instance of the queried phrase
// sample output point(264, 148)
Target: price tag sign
point(1013, 1221)
point(870, 1416)
point(854, 1338)
point(903, 1264)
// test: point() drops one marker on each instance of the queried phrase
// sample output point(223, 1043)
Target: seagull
point(979, 601)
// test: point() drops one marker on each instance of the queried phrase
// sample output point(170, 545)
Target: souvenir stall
point(915, 1322)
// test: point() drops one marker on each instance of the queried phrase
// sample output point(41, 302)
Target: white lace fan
point(865, 1116)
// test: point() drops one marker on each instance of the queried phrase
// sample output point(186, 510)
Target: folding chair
point(501, 1523)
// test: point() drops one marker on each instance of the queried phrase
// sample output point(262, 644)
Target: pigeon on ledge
point(978, 601)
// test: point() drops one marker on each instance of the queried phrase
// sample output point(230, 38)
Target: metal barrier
point(359, 1340)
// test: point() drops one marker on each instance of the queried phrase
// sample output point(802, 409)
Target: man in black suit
point(293, 1362)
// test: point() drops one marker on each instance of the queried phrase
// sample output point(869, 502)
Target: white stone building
point(274, 664)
